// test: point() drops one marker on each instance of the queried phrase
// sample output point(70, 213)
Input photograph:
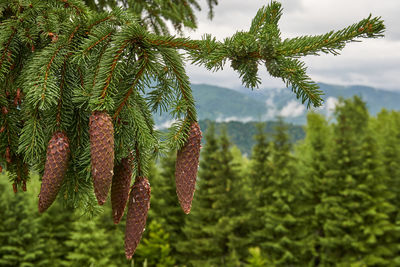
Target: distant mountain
point(245, 105)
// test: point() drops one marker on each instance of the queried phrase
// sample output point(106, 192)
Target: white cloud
point(165, 125)
point(234, 118)
point(272, 110)
point(292, 109)
point(330, 105)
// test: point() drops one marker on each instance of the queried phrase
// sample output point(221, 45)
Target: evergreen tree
point(164, 204)
point(215, 230)
point(200, 246)
point(233, 204)
point(386, 127)
point(314, 159)
point(156, 248)
point(19, 234)
point(260, 172)
point(280, 244)
point(356, 203)
point(88, 245)
point(54, 228)
point(256, 259)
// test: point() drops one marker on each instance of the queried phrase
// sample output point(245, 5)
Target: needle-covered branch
point(63, 62)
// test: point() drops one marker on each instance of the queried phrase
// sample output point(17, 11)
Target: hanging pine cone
point(121, 182)
point(187, 163)
point(101, 132)
point(139, 204)
point(54, 170)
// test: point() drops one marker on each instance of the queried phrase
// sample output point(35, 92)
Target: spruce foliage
point(60, 61)
point(260, 172)
point(165, 205)
point(357, 202)
point(19, 231)
point(314, 154)
point(280, 243)
point(215, 225)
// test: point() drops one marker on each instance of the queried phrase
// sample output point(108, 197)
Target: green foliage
point(314, 162)
point(357, 201)
point(260, 172)
point(61, 60)
point(256, 259)
point(19, 230)
point(88, 245)
point(279, 216)
point(156, 248)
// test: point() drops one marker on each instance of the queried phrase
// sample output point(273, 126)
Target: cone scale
point(120, 186)
point(139, 204)
point(101, 133)
point(186, 167)
point(54, 171)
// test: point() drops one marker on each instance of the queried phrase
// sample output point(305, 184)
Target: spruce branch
point(332, 42)
point(60, 61)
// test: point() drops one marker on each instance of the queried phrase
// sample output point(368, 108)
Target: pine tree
point(165, 205)
point(156, 248)
point(199, 223)
point(314, 159)
point(256, 259)
point(66, 66)
point(280, 244)
point(357, 229)
point(260, 172)
point(54, 229)
point(233, 203)
point(19, 231)
point(386, 127)
point(213, 229)
point(88, 245)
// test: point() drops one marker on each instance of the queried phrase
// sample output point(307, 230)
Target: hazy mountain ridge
point(245, 105)
point(267, 104)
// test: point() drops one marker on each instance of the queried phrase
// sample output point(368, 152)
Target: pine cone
point(139, 204)
point(187, 163)
point(101, 132)
point(121, 182)
point(54, 170)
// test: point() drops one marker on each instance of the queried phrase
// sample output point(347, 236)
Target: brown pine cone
point(101, 132)
point(121, 182)
point(54, 170)
point(187, 163)
point(139, 204)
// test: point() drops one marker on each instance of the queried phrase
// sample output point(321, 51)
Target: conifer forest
point(87, 178)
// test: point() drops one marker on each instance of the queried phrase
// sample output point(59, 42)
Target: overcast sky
point(374, 63)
